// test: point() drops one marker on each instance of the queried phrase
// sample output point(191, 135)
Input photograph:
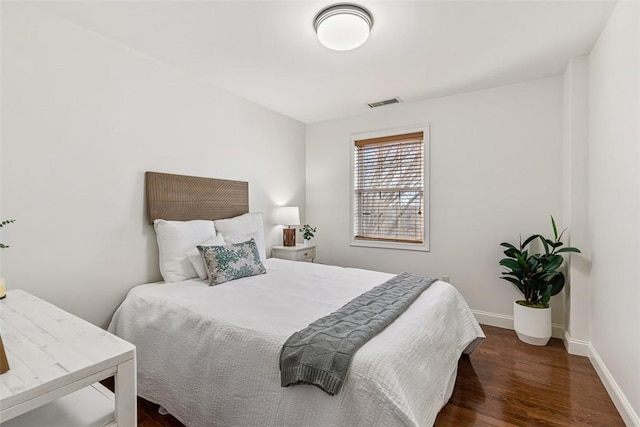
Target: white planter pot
point(533, 325)
point(307, 242)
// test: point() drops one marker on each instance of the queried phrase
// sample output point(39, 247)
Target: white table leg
point(126, 409)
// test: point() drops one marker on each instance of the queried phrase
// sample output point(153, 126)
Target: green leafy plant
point(536, 275)
point(308, 232)
point(2, 224)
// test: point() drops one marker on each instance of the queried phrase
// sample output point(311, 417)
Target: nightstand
point(56, 360)
point(305, 253)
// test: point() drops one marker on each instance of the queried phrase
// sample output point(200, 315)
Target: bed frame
point(183, 198)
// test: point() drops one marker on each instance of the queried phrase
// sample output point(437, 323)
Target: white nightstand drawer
point(307, 255)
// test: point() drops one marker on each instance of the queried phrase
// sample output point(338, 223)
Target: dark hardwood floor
point(505, 383)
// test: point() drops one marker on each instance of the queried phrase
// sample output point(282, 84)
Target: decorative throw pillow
point(249, 223)
point(175, 238)
point(196, 259)
point(230, 262)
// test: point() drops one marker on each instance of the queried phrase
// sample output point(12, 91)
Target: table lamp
point(288, 216)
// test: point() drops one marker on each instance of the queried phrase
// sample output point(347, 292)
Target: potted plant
point(308, 233)
point(538, 277)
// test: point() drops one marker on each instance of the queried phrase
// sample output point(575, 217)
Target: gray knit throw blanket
point(320, 354)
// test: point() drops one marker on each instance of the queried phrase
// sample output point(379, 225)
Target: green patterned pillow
point(230, 262)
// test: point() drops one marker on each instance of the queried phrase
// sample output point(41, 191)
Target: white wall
point(496, 172)
point(575, 203)
point(614, 207)
point(82, 119)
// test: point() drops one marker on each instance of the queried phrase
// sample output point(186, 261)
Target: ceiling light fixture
point(343, 26)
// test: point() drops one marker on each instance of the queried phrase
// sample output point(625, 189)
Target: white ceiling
point(267, 51)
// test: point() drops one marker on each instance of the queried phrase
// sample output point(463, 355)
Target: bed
point(209, 355)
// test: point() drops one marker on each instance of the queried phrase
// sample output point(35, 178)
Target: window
point(389, 197)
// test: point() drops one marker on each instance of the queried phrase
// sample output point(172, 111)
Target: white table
point(55, 361)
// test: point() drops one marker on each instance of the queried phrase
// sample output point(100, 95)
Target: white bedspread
point(209, 355)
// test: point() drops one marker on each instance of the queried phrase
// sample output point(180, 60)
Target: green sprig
point(308, 232)
point(2, 224)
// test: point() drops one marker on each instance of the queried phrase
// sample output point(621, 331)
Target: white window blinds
point(389, 188)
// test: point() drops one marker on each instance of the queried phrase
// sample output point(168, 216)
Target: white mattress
point(209, 355)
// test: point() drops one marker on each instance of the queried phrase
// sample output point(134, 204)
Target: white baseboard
point(493, 319)
point(574, 346)
point(506, 322)
point(623, 406)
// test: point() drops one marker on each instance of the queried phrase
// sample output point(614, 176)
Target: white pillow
point(239, 238)
point(196, 259)
point(249, 223)
point(175, 238)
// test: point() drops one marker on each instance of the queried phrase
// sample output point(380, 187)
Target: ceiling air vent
point(395, 100)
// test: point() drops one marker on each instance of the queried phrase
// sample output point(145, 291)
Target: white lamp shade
point(288, 215)
point(343, 26)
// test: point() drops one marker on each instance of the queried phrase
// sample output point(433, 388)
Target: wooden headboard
point(183, 198)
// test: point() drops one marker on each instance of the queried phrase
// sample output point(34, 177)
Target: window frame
point(424, 246)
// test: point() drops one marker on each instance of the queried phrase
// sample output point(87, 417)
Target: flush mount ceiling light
point(343, 26)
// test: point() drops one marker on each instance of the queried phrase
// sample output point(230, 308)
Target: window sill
point(423, 247)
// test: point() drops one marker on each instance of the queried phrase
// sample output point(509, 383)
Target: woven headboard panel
point(183, 198)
